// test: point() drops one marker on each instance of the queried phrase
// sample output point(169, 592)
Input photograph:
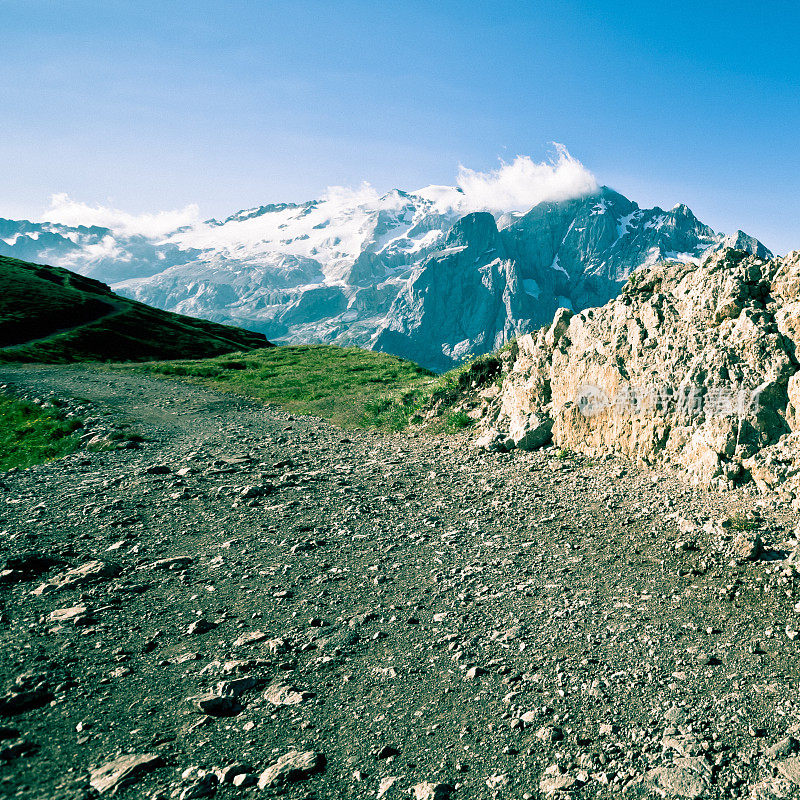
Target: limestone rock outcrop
point(691, 365)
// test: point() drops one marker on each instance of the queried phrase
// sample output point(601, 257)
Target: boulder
point(290, 767)
point(123, 771)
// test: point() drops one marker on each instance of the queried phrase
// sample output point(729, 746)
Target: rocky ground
point(247, 602)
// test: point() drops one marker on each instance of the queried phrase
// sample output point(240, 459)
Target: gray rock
point(432, 791)
point(216, 705)
point(790, 769)
point(687, 778)
point(123, 771)
point(279, 695)
point(227, 774)
point(73, 578)
point(655, 376)
point(534, 432)
point(200, 626)
point(783, 748)
point(290, 767)
point(203, 786)
point(71, 614)
point(747, 546)
point(554, 781)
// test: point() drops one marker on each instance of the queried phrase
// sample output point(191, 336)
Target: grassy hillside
point(343, 384)
point(30, 434)
point(54, 315)
point(346, 385)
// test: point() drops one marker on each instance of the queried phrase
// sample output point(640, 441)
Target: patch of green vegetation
point(563, 454)
point(346, 385)
point(32, 435)
point(741, 522)
point(456, 420)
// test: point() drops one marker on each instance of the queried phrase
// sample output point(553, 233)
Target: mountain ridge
point(383, 272)
point(49, 314)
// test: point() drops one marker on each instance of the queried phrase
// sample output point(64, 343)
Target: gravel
point(336, 614)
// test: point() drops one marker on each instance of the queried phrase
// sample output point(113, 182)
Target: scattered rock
point(290, 767)
point(158, 469)
point(790, 769)
point(475, 672)
point(553, 780)
point(175, 563)
point(9, 750)
point(216, 705)
point(202, 786)
point(86, 573)
point(785, 747)
point(388, 788)
point(251, 637)
point(227, 774)
point(279, 695)
point(687, 777)
point(432, 791)
point(76, 614)
point(747, 546)
point(200, 626)
point(123, 771)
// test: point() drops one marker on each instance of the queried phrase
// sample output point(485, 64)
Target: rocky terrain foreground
point(249, 603)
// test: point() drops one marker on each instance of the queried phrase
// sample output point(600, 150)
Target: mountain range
point(405, 273)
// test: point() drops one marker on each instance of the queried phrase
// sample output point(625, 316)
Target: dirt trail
point(399, 607)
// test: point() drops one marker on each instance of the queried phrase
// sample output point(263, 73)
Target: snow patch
point(626, 222)
point(557, 267)
point(657, 223)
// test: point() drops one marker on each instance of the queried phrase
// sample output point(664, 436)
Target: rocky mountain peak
point(342, 268)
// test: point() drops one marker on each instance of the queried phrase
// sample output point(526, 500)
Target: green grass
point(456, 420)
point(31, 435)
point(346, 385)
point(352, 388)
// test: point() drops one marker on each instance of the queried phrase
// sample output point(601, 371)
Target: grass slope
point(53, 315)
point(30, 435)
point(346, 385)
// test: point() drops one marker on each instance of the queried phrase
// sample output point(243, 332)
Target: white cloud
point(63, 209)
point(346, 197)
point(523, 183)
point(517, 186)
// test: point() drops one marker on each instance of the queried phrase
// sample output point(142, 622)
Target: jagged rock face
point(691, 365)
point(401, 273)
point(470, 288)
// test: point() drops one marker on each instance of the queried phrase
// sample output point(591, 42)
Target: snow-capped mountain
point(407, 273)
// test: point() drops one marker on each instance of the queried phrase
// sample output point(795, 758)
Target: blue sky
point(148, 106)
